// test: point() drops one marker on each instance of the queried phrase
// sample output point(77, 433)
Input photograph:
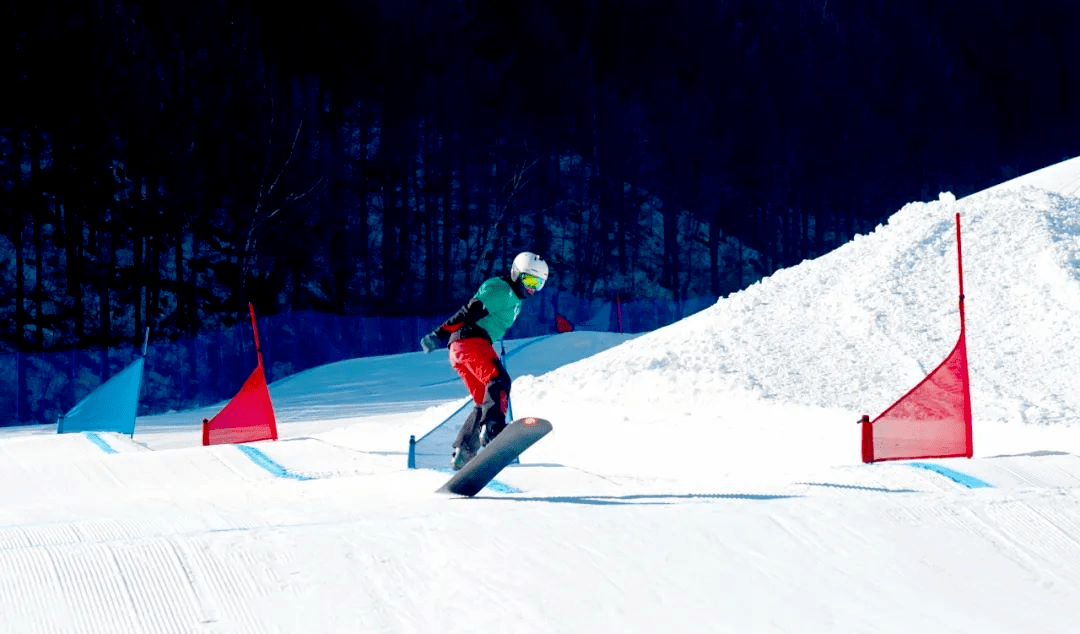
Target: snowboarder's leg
point(479, 366)
point(469, 434)
point(468, 357)
point(464, 361)
point(496, 402)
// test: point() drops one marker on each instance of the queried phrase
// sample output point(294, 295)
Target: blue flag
point(111, 407)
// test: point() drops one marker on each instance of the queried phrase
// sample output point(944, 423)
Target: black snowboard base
point(478, 472)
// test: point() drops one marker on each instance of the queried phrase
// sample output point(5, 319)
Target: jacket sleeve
point(470, 313)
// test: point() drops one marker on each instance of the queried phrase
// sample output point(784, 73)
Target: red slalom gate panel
point(248, 417)
point(933, 420)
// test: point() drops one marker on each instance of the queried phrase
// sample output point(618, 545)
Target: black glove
point(430, 342)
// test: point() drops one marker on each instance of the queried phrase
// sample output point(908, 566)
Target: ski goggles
point(532, 282)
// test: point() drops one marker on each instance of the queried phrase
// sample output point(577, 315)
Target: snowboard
point(500, 452)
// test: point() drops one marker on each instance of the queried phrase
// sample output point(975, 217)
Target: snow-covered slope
point(701, 478)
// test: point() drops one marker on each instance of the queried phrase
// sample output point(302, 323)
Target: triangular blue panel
point(111, 407)
point(433, 450)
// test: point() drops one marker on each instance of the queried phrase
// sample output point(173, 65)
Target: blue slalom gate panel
point(111, 407)
point(432, 451)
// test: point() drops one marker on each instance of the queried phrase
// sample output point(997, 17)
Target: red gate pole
point(963, 342)
point(255, 329)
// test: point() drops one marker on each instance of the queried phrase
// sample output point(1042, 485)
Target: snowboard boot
point(461, 456)
point(466, 449)
point(490, 431)
point(467, 443)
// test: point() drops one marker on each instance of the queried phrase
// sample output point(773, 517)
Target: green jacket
point(489, 314)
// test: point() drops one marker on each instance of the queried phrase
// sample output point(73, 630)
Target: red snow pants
point(475, 360)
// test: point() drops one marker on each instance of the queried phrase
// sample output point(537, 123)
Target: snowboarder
point(471, 333)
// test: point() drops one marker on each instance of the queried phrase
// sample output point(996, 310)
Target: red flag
point(249, 416)
point(933, 420)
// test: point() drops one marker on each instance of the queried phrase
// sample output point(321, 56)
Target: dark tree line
point(163, 164)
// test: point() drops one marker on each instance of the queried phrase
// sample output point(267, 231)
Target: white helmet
point(533, 267)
